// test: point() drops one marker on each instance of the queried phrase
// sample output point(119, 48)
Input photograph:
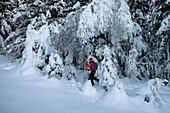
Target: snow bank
point(91, 93)
point(150, 92)
point(117, 96)
point(36, 94)
point(88, 89)
point(29, 71)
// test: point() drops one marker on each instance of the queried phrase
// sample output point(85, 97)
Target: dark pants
point(91, 77)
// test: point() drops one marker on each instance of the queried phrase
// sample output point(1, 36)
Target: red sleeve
point(89, 65)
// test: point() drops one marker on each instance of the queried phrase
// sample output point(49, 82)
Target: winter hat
point(90, 59)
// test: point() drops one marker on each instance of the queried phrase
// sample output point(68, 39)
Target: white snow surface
point(37, 94)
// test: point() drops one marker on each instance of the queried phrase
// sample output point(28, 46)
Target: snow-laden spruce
point(105, 25)
point(1, 42)
point(102, 16)
point(38, 49)
point(36, 46)
point(132, 70)
point(113, 19)
point(55, 66)
point(5, 28)
point(108, 69)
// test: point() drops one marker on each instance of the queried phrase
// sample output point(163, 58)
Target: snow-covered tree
point(55, 66)
point(6, 26)
point(149, 15)
point(27, 11)
point(108, 68)
point(132, 70)
point(51, 44)
point(107, 33)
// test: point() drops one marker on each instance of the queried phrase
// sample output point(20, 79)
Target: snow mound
point(150, 92)
point(10, 67)
point(117, 96)
point(91, 93)
point(29, 71)
point(6, 64)
point(88, 89)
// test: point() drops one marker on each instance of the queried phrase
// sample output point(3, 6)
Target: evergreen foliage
point(149, 15)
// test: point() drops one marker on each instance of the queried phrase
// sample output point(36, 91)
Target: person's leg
point(91, 77)
point(96, 79)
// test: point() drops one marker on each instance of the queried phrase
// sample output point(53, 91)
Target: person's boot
point(92, 82)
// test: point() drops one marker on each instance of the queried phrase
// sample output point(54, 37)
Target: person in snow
point(93, 71)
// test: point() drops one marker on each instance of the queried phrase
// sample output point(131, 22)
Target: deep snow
point(27, 91)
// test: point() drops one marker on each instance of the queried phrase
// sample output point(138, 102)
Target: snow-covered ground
point(26, 91)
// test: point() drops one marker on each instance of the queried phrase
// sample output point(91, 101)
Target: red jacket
point(89, 66)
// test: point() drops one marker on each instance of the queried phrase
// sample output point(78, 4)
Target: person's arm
point(89, 65)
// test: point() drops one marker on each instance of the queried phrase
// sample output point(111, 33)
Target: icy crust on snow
point(94, 21)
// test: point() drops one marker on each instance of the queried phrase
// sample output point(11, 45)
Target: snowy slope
point(33, 93)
